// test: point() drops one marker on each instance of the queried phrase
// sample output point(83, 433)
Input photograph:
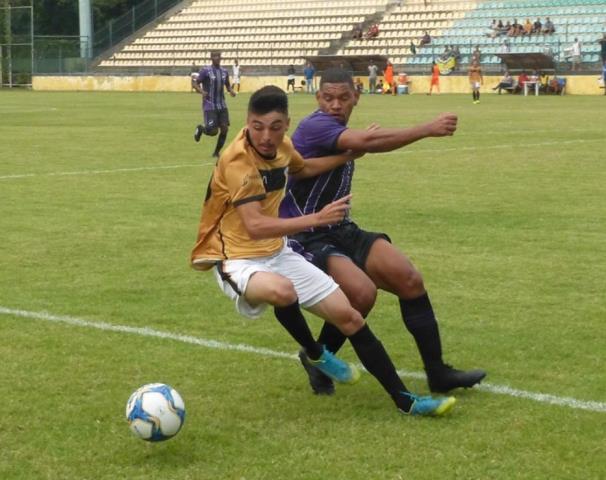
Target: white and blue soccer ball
point(155, 412)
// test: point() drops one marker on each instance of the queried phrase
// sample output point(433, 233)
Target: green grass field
point(100, 199)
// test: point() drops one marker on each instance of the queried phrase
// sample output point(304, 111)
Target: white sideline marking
point(99, 172)
point(569, 402)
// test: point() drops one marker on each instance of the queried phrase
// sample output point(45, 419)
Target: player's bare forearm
point(318, 165)
point(260, 226)
point(388, 139)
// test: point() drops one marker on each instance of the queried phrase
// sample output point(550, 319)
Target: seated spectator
point(543, 82)
point(446, 54)
point(502, 28)
point(506, 83)
point(528, 27)
point(356, 33)
point(557, 85)
point(493, 30)
point(522, 79)
point(373, 31)
point(507, 28)
point(425, 39)
point(548, 28)
point(380, 87)
point(358, 85)
point(537, 26)
point(456, 53)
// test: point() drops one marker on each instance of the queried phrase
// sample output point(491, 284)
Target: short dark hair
point(336, 75)
point(268, 99)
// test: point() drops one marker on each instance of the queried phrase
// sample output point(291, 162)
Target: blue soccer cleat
point(429, 406)
point(335, 368)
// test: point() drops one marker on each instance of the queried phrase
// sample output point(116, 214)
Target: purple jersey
point(316, 136)
point(213, 81)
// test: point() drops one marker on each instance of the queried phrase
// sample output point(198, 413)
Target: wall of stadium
point(577, 85)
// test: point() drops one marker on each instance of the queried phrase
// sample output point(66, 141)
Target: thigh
point(393, 271)
point(211, 120)
point(223, 118)
point(355, 283)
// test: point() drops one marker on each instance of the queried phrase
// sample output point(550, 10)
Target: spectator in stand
point(575, 55)
point(602, 42)
point(507, 28)
point(522, 79)
point(456, 53)
point(502, 28)
point(446, 54)
point(435, 78)
point(506, 83)
point(537, 27)
point(425, 39)
point(528, 27)
point(476, 55)
point(493, 30)
point(504, 48)
point(357, 33)
point(548, 28)
point(413, 48)
point(373, 70)
point(373, 31)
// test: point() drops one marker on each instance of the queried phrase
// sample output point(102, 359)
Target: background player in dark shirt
point(211, 82)
point(362, 262)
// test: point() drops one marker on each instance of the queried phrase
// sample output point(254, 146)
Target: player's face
point(266, 132)
point(216, 59)
point(337, 99)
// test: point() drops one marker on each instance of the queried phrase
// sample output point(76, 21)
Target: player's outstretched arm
point(318, 165)
point(378, 139)
point(259, 226)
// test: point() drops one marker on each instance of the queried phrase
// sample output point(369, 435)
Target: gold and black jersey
point(242, 175)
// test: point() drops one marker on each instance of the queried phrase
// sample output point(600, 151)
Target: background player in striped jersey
point(211, 82)
point(362, 262)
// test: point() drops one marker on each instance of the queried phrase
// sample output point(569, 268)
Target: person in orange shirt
point(435, 78)
point(388, 76)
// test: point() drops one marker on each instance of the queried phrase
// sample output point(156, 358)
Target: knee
point(350, 322)
point(282, 293)
point(363, 299)
point(413, 284)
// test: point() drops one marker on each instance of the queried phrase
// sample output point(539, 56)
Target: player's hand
point(444, 125)
point(334, 212)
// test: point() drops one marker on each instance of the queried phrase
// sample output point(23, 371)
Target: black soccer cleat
point(320, 383)
point(446, 378)
point(198, 132)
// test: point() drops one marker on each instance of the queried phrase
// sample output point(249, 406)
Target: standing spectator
point(235, 71)
point(372, 76)
point(388, 76)
point(435, 78)
point(602, 42)
point(522, 79)
point(476, 55)
point(356, 33)
point(575, 55)
point(290, 82)
point(308, 72)
point(413, 48)
point(475, 80)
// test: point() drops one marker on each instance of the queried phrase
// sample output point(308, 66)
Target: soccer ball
point(155, 412)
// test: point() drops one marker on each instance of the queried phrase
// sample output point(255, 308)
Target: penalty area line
point(569, 402)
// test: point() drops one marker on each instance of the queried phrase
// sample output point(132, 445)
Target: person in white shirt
point(235, 70)
point(575, 55)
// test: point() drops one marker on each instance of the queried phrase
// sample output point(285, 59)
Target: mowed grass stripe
point(592, 406)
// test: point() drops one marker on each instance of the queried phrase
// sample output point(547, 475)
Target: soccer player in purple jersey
point(360, 261)
point(211, 82)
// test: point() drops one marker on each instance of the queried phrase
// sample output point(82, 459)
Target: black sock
point(420, 321)
point(293, 321)
point(220, 142)
point(478, 95)
point(375, 359)
point(331, 338)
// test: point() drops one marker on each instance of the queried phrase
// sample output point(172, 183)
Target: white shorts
point(311, 284)
point(475, 85)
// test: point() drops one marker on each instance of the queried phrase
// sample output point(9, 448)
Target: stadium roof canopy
point(354, 63)
point(527, 61)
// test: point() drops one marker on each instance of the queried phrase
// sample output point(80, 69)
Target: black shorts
point(216, 118)
point(290, 81)
point(347, 240)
